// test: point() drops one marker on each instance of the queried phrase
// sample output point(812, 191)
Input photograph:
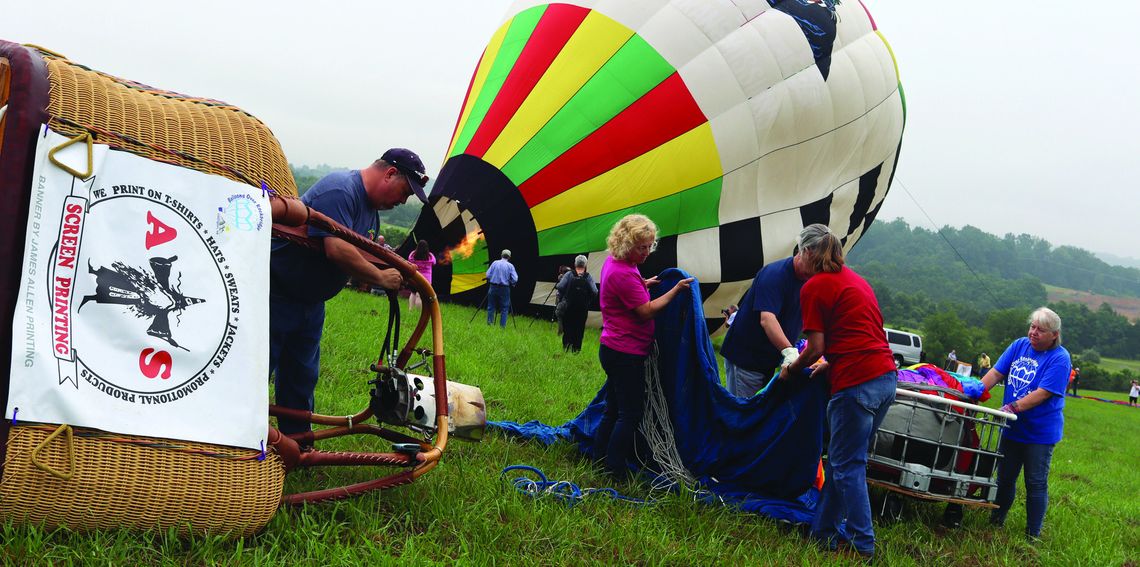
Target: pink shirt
point(423, 266)
point(623, 290)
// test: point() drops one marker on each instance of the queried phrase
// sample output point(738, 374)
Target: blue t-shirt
point(776, 289)
point(303, 275)
point(1026, 370)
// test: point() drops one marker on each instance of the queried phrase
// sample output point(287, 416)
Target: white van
point(907, 347)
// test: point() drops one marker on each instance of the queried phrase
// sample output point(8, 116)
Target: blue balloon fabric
point(760, 454)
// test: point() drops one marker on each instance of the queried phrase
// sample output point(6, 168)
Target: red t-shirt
point(843, 307)
point(622, 291)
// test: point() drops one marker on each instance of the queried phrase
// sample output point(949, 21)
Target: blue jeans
point(1035, 459)
point(730, 376)
point(294, 355)
point(498, 301)
point(853, 416)
point(625, 404)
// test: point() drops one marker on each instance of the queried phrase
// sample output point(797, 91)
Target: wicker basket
point(88, 479)
point(114, 481)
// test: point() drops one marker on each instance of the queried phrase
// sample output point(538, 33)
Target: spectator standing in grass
point(501, 277)
point(424, 260)
point(1133, 393)
point(983, 364)
point(577, 291)
point(1074, 380)
point(1035, 369)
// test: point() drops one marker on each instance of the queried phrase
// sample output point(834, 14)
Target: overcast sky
point(1022, 117)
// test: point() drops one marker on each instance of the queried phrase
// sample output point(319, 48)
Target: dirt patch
point(1075, 478)
point(1126, 306)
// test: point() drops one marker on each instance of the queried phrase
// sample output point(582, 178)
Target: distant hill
point(976, 255)
point(1119, 260)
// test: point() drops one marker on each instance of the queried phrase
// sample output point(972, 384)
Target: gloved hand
point(973, 389)
point(1010, 407)
point(790, 355)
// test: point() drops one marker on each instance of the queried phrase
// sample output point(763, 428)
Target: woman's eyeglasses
point(651, 248)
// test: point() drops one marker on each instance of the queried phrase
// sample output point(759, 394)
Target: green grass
point(1118, 364)
point(463, 512)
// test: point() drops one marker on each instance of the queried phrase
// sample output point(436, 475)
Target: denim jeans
point(625, 404)
point(498, 301)
point(853, 416)
point(294, 355)
point(1035, 459)
point(730, 376)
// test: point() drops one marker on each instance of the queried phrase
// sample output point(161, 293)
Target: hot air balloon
point(732, 124)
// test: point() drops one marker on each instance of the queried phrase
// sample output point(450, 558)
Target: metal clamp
point(84, 137)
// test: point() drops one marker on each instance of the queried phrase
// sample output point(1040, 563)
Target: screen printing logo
point(148, 310)
point(242, 212)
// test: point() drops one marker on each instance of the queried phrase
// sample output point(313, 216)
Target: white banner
point(144, 300)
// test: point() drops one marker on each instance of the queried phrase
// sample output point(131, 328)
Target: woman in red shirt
point(842, 321)
point(627, 337)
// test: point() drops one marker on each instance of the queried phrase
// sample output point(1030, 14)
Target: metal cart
point(936, 448)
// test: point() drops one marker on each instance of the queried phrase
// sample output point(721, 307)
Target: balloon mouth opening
point(473, 213)
point(446, 212)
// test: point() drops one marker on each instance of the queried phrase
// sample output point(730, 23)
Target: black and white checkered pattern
point(744, 246)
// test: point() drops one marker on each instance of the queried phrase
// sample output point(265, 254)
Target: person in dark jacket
point(577, 291)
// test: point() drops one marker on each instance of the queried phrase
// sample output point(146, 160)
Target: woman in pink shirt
point(424, 260)
point(627, 337)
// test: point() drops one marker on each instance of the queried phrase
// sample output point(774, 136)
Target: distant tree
point(1004, 326)
point(1090, 356)
point(942, 332)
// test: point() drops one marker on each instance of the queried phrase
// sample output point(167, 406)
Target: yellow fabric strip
point(481, 72)
point(595, 41)
point(892, 52)
point(464, 282)
point(681, 163)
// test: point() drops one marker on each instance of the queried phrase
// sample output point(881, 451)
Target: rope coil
point(563, 491)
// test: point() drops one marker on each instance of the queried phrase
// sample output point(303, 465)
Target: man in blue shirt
point(1036, 370)
point(760, 338)
point(301, 280)
point(502, 277)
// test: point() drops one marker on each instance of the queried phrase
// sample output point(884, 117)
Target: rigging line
point(948, 243)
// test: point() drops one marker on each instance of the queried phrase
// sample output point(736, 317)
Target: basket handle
point(65, 430)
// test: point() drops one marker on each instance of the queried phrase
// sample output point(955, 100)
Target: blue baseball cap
point(411, 166)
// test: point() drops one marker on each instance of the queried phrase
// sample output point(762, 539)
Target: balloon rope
point(657, 429)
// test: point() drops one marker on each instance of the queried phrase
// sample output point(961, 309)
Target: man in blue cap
point(302, 280)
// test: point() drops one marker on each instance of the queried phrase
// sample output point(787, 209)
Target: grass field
point(463, 512)
point(1118, 364)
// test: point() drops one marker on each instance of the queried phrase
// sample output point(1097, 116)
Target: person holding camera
point(501, 276)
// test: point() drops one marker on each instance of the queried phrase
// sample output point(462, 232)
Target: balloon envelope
point(731, 124)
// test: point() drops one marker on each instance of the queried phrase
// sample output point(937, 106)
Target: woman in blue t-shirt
point(1036, 370)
